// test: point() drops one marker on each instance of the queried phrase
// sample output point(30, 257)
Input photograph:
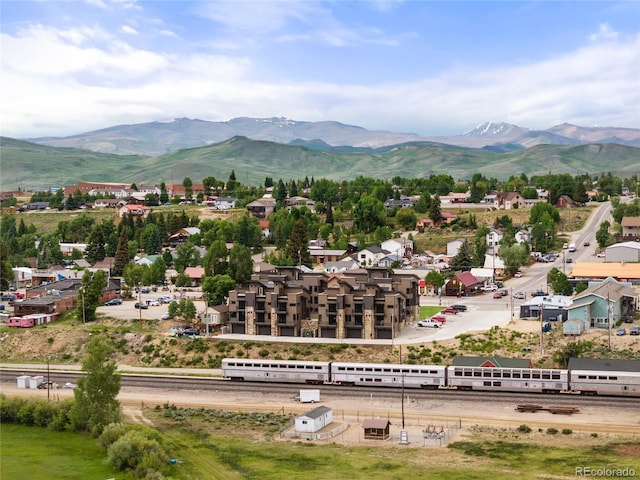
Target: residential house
point(22, 277)
point(402, 202)
point(264, 227)
point(340, 266)
point(630, 228)
point(320, 256)
point(86, 187)
point(298, 201)
point(183, 235)
point(196, 274)
point(523, 237)
point(135, 210)
point(262, 207)
point(455, 197)
point(601, 305)
point(508, 201)
point(225, 203)
point(402, 247)
point(462, 284)
point(177, 190)
point(565, 201)
point(370, 256)
point(493, 238)
point(108, 203)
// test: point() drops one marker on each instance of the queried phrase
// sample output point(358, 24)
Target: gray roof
point(609, 288)
point(606, 364)
point(316, 412)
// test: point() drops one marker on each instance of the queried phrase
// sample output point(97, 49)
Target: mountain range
point(157, 138)
point(287, 149)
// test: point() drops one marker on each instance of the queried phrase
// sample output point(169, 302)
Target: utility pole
point(140, 305)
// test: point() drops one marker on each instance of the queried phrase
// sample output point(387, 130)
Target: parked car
point(497, 295)
point(569, 260)
point(621, 331)
point(490, 288)
point(565, 246)
point(439, 318)
point(115, 301)
point(601, 255)
point(518, 274)
point(19, 295)
point(7, 297)
point(460, 307)
point(635, 330)
point(587, 243)
point(189, 332)
point(153, 303)
point(164, 299)
point(504, 292)
point(145, 290)
point(539, 293)
point(429, 323)
point(450, 310)
point(519, 295)
point(142, 306)
point(165, 316)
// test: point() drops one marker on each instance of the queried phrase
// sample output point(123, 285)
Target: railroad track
point(202, 383)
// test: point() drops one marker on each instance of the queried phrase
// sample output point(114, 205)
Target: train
point(621, 382)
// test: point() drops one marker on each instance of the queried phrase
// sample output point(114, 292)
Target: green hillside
point(33, 166)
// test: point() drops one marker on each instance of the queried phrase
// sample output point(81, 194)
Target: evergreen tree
point(240, 264)
point(329, 218)
point(122, 255)
point(188, 188)
point(435, 211)
point(464, 259)
point(93, 284)
point(150, 238)
point(96, 404)
point(164, 196)
point(6, 272)
point(297, 247)
point(95, 250)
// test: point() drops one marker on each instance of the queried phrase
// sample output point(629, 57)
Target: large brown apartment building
point(372, 303)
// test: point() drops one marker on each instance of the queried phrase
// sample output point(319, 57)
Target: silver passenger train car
point(508, 379)
point(388, 375)
point(276, 371)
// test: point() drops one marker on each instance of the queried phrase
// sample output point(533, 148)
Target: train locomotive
point(581, 379)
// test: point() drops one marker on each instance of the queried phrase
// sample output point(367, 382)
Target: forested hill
point(35, 166)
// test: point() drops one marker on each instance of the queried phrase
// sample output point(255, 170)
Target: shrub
point(552, 431)
point(567, 431)
point(111, 433)
point(264, 353)
point(524, 428)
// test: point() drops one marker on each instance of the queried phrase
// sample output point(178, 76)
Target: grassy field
point(223, 448)
point(36, 453)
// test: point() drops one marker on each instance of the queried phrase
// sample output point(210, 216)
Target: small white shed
point(314, 420)
point(34, 382)
point(23, 381)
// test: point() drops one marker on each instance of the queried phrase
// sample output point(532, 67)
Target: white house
point(370, 256)
point(340, 266)
point(400, 246)
point(493, 238)
point(314, 420)
point(523, 236)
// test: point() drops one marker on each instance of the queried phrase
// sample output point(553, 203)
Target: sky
point(426, 67)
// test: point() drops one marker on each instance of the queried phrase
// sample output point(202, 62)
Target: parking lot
point(128, 311)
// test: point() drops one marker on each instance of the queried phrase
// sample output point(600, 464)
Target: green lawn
point(35, 453)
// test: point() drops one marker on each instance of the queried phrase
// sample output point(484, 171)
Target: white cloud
point(128, 30)
point(604, 33)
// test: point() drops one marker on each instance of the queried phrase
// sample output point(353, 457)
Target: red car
point(497, 295)
point(439, 318)
point(450, 310)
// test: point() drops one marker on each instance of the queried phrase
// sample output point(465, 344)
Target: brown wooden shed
point(376, 428)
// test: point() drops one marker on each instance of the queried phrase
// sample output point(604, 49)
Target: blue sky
point(432, 68)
